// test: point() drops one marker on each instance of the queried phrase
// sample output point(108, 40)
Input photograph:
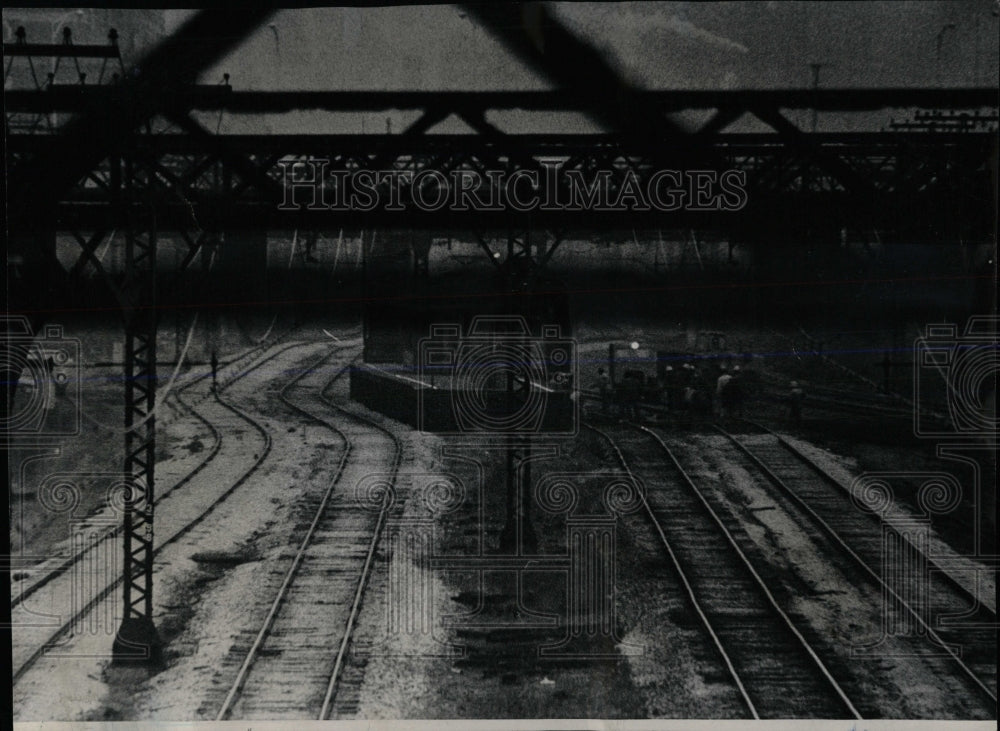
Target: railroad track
point(777, 671)
point(32, 641)
point(832, 401)
point(773, 395)
point(34, 583)
point(297, 664)
point(815, 497)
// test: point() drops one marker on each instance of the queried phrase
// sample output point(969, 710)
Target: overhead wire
point(162, 396)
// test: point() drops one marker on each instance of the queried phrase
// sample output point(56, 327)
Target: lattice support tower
point(137, 639)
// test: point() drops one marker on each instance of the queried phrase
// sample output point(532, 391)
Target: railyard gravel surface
point(209, 589)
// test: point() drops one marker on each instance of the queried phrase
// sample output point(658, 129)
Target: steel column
point(137, 640)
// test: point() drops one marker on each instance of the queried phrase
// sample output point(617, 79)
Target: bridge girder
point(916, 184)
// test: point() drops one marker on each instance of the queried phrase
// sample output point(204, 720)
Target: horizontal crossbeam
point(60, 50)
point(68, 98)
point(225, 181)
point(920, 216)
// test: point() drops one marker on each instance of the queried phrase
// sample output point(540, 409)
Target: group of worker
point(688, 392)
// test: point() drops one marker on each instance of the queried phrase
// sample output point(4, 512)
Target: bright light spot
point(634, 345)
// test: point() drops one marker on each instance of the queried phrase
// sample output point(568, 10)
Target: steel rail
point(71, 561)
point(820, 665)
point(39, 652)
point(251, 657)
point(262, 636)
point(688, 589)
point(331, 690)
point(830, 479)
point(836, 538)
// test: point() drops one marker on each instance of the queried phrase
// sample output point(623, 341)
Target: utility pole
point(938, 47)
point(939, 41)
point(815, 66)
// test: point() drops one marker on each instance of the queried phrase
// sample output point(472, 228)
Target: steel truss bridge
point(909, 185)
point(88, 163)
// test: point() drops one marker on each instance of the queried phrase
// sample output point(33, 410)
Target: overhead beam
point(248, 170)
point(861, 187)
point(544, 143)
point(60, 50)
point(76, 97)
point(886, 211)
